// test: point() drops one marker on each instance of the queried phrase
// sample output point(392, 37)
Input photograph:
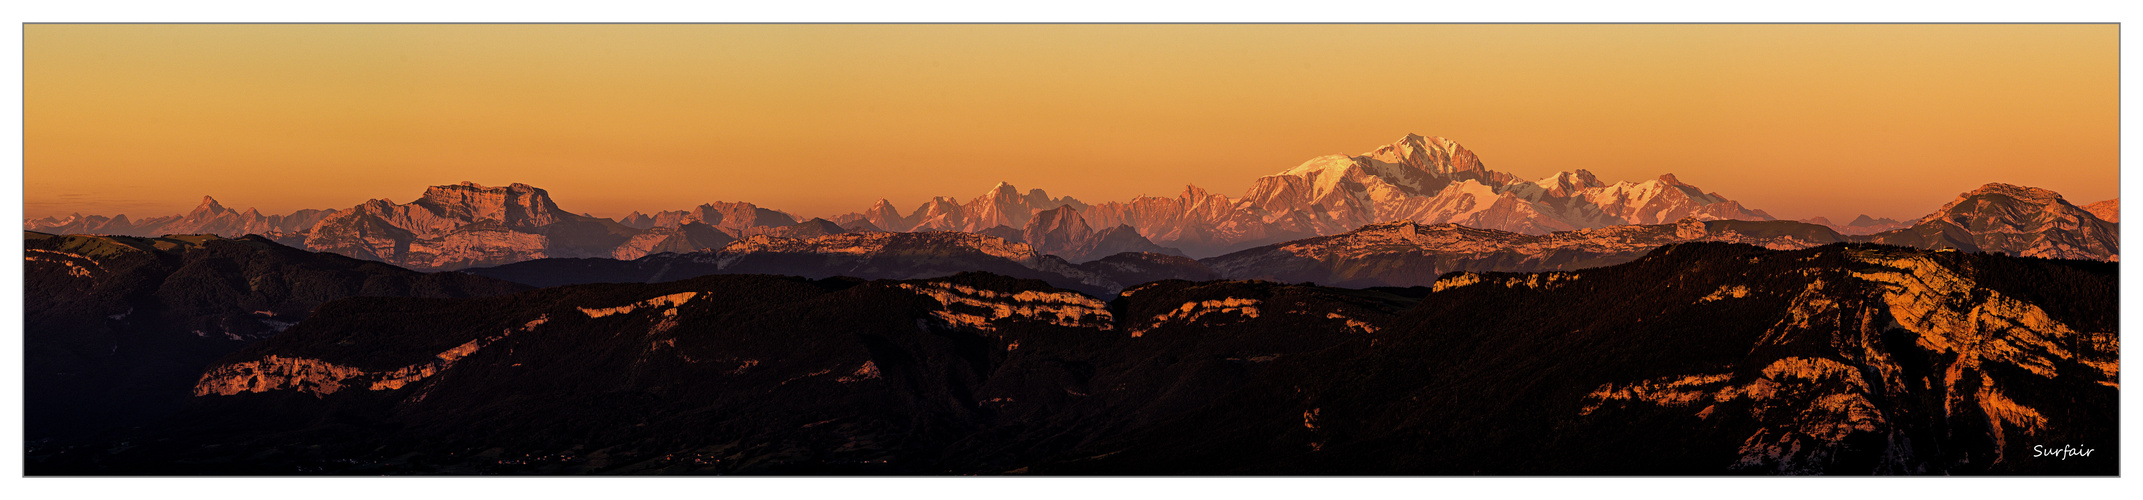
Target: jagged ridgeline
point(1695, 358)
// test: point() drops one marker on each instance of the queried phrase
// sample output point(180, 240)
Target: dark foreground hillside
point(1695, 359)
point(117, 327)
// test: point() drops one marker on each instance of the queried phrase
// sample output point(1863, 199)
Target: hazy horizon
point(818, 120)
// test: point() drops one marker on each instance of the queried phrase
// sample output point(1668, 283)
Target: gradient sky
point(1798, 120)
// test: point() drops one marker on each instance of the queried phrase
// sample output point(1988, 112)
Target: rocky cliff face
point(1704, 358)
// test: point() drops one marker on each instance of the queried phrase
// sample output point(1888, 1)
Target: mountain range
point(1693, 359)
point(1996, 218)
point(116, 325)
point(1426, 180)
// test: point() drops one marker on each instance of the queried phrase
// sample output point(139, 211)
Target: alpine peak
point(209, 205)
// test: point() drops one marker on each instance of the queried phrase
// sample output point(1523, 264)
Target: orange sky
point(1797, 120)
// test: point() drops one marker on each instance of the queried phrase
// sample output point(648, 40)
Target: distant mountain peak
point(1431, 154)
point(1564, 184)
point(209, 205)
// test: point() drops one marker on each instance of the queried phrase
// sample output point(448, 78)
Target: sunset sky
point(1798, 120)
